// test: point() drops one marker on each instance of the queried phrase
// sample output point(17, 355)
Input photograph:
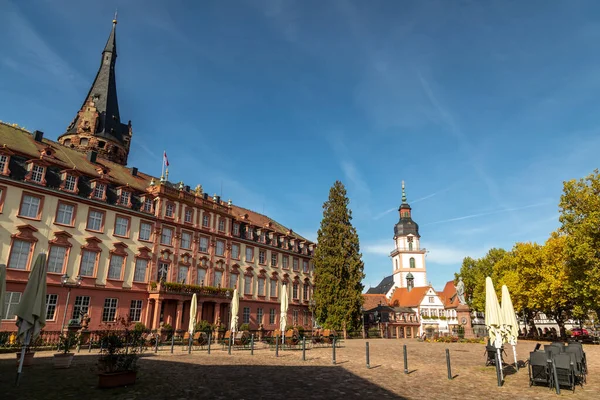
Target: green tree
point(474, 271)
point(338, 265)
point(537, 279)
point(580, 219)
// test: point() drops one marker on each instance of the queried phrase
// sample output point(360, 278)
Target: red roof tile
point(404, 298)
point(373, 300)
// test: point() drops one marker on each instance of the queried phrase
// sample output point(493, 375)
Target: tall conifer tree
point(338, 265)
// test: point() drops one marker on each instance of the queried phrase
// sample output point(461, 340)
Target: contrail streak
point(486, 213)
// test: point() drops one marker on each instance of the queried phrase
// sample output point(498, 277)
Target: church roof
point(402, 297)
point(104, 94)
point(384, 286)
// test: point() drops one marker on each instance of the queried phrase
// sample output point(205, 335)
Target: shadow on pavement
point(172, 378)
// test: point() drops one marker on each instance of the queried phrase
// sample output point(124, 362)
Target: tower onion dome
point(405, 226)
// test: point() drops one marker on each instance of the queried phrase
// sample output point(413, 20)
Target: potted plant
point(120, 347)
point(64, 358)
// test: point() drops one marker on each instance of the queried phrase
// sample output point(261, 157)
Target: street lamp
point(362, 317)
point(228, 296)
point(311, 306)
point(64, 282)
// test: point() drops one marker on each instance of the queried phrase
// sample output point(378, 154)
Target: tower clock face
point(463, 320)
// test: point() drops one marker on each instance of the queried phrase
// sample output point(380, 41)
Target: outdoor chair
point(565, 372)
point(578, 349)
point(200, 339)
point(328, 335)
point(577, 367)
point(538, 368)
point(552, 350)
point(559, 344)
point(490, 352)
point(292, 337)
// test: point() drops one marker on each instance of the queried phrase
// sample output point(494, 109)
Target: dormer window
point(70, 183)
point(37, 173)
point(4, 159)
point(99, 191)
point(124, 197)
point(69, 180)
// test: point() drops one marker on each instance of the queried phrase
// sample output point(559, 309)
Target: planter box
point(117, 379)
point(28, 360)
point(62, 360)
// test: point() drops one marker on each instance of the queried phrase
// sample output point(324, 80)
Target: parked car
point(579, 332)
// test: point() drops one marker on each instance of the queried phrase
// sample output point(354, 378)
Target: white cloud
point(382, 248)
point(452, 255)
point(355, 177)
point(36, 58)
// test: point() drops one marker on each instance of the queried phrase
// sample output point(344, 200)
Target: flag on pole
point(165, 159)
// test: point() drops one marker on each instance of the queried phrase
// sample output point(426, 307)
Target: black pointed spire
point(103, 93)
point(111, 44)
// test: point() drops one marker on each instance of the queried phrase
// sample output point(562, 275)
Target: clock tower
point(408, 258)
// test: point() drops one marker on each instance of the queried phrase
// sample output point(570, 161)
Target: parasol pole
point(22, 359)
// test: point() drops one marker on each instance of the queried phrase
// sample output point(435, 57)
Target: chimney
point(187, 188)
point(38, 136)
point(218, 200)
point(205, 196)
point(91, 156)
point(134, 171)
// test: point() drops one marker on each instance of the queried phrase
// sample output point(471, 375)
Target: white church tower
point(408, 258)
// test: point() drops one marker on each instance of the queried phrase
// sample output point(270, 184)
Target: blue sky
point(483, 108)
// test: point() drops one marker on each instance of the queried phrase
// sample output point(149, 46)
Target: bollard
point(190, 345)
point(79, 345)
point(333, 354)
point(367, 348)
point(229, 344)
point(252, 344)
point(277, 346)
point(209, 340)
point(90, 345)
point(303, 348)
point(156, 344)
point(405, 360)
point(448, 364)
point(101, 345)
point(172, 341)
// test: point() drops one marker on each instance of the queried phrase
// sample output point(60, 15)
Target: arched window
point(412, 262)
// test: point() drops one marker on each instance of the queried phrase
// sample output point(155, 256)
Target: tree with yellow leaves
point(580, 219)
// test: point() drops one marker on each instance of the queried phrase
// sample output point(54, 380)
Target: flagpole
point(162, 171)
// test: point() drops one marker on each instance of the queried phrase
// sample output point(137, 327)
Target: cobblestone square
point(263, 376)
